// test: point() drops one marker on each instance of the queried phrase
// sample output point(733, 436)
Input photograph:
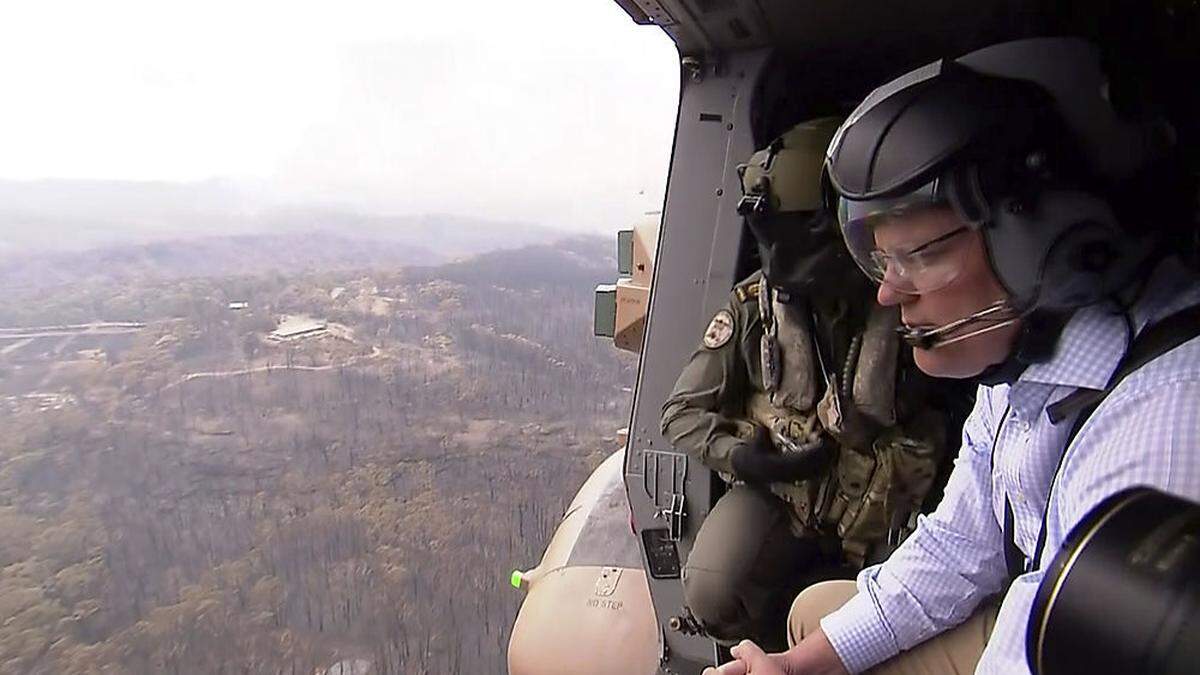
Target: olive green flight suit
point(761, 544)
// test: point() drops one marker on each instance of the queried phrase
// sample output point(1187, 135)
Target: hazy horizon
point(557, 115)
point(56, 215)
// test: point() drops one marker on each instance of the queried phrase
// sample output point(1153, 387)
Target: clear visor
point(914, 244)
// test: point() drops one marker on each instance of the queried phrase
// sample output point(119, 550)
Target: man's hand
point(751, 660)
point(759, 462)
point(813, 656)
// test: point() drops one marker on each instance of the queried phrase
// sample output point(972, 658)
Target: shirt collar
point(1094, 340)
point(1089, 348)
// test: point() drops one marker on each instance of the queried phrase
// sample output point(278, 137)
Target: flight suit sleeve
point(696, 416)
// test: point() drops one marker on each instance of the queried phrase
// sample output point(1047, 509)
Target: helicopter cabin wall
point(728, 108)
point(696, 265)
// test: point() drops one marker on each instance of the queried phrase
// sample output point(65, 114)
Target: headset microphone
point(994, 316)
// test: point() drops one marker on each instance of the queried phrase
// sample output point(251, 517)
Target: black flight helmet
point(1021, 141)
point(798, 240)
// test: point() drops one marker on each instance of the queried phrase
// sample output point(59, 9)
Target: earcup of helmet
point(1063, 250)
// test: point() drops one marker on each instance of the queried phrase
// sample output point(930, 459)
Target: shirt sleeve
point(935, 580)
point(694, 417)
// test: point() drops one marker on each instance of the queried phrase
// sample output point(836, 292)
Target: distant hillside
point(447, 235)
point(60, 232)
point(58, 215)
point(364, 245)
point(576, 261)
point(210, 256)
point(93, 285)
point(76, 215)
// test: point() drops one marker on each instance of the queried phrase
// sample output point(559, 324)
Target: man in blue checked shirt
point(1020, 224)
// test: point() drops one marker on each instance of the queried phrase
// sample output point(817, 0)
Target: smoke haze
point(137, 117)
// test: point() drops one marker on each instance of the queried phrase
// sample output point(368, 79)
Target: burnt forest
point(255, 455)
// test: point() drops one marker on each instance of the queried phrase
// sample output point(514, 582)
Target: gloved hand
point(758, 461)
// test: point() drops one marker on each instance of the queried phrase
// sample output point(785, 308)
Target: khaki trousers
point(743, 570)
point(955, 652)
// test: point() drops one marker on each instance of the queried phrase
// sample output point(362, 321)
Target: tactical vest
point(883, 468)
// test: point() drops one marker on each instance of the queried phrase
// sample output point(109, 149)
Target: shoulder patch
point(719, 330)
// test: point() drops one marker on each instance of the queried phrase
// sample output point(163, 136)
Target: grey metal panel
point(625, 252)
point(704, 26)
point(604, 318)
point(635, 12)
point(694, 271)
point(680, 23)
point(901, 34)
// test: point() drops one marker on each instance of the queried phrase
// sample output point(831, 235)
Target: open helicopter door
point(821, 57)
point(694, 270)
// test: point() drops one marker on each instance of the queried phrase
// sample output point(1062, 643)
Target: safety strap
point(1150, 344)
point(1014, 560)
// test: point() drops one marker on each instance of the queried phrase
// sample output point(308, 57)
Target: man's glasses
point(921, 269)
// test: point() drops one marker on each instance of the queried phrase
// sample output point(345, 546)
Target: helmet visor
point(914, 244)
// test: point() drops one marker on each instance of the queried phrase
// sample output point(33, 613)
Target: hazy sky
point(558, 112)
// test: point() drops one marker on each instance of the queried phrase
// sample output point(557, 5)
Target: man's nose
point(888, 295)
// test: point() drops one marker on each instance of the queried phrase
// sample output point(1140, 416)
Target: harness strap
point(1014, 559)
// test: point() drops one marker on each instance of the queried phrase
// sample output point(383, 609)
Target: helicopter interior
point(757, 67)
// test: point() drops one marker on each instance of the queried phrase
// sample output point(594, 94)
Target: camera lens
point(1123, 593)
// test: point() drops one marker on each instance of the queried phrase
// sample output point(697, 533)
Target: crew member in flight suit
point(797, 397)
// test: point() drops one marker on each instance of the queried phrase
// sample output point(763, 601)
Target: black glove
point(759, 461)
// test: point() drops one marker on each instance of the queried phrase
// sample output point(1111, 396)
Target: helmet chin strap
point(993, 317)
